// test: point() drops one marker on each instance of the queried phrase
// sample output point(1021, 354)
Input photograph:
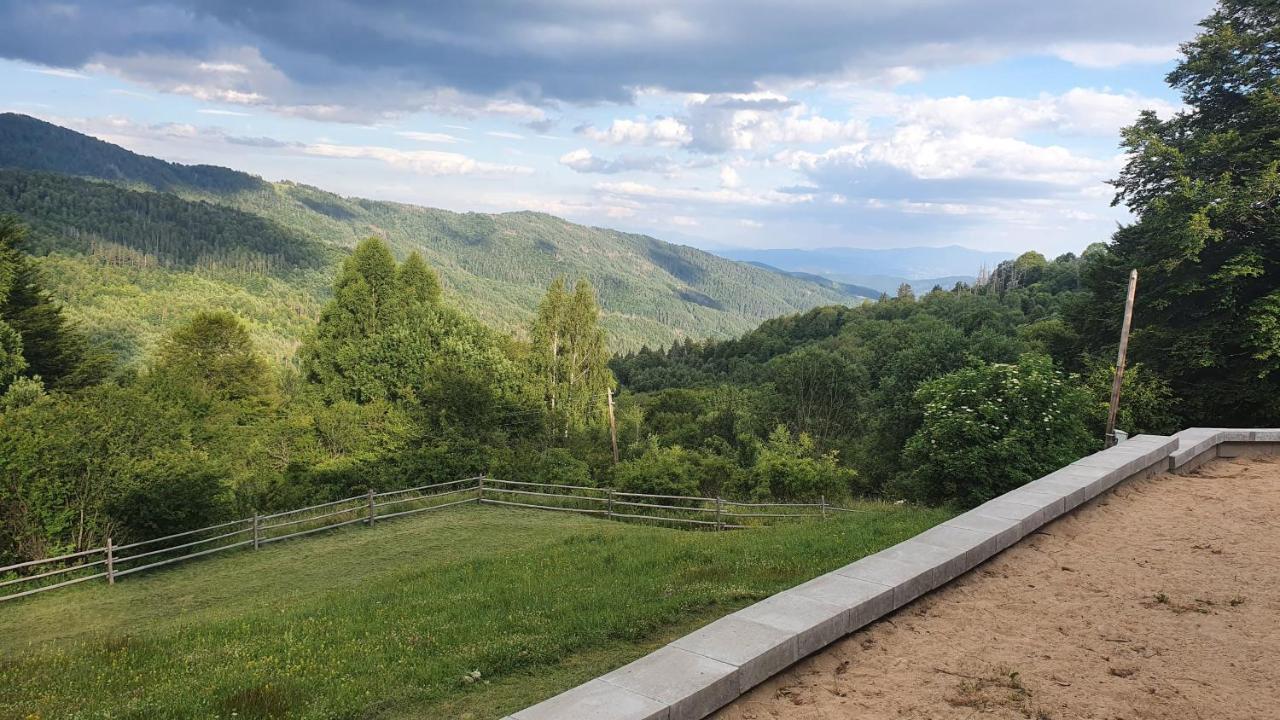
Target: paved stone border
point(1198, 446)
point(701, 672)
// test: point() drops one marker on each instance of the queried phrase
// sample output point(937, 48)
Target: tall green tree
point(366, 301)
point(1205, 188)
point(51, 348)
point(211, 358)
point(388, 335)
point(569, 355)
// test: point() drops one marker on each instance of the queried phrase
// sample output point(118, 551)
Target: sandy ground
point(1160, 599)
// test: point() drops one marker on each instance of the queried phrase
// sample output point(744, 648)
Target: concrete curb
point(699, 673)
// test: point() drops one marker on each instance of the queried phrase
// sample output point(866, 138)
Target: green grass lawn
point(385, 622)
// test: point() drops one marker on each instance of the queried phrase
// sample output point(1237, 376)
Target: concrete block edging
point(697, 674)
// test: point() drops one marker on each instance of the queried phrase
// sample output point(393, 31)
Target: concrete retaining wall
point(699, 673)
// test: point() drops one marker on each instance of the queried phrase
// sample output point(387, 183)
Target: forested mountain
point(182, 218)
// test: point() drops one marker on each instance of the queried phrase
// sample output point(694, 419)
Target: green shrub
point(990, 428)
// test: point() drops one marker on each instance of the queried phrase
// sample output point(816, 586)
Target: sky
point(992, 124)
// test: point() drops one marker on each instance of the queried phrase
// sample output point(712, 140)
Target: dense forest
point(937, 396)
point(243, 232)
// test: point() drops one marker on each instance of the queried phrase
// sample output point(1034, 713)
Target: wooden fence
point(112, 562)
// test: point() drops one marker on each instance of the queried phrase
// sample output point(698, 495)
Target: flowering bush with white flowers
point(990, 428)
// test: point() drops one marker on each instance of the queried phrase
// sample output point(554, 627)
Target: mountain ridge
point(496, 265)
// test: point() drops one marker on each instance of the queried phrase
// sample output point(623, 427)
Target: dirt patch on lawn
point(1160, 600)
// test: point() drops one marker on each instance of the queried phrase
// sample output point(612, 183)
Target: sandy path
point(1158, 600)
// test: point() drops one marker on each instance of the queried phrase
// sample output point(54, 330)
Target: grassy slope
point(384, 622)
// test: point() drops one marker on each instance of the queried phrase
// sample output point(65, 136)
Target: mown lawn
point(386, 622)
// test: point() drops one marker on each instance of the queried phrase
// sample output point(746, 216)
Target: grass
point(390, 622)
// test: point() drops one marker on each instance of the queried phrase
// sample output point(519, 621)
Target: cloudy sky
point(807, 123)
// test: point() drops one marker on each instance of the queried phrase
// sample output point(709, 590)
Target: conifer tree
point(51, 347)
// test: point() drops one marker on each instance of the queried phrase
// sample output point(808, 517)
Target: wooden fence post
point(1109, 439)
point(613, 429)
point(719, 511)
point(608, 513)
point(480, 497)
point(371, 510)
point(824, 507)
point(256, 535)
point(111, 563)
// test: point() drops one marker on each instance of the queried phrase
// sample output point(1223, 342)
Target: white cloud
point(425, 162)
point(430, 137)
point(729, 178)
point(228, 113)
point(582, 160)
point(1108, 55)
point(663, 132)
point(721, 196)
point(223, 67)
point(1079, 111)
point(59, 72)
point(504, 134)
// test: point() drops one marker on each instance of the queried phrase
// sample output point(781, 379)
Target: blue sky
point(816, 123)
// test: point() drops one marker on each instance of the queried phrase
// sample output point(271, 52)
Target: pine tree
point(51, 347)
point(418, 283)
point(366, 299)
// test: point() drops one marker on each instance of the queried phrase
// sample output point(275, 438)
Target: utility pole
point(1110, 439)
point(613, 428)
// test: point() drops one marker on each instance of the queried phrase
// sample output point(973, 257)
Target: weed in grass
point(259, 702)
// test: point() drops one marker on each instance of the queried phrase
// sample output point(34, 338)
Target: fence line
point(645, 507)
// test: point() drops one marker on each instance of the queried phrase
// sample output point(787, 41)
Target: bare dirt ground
point(1160, 600)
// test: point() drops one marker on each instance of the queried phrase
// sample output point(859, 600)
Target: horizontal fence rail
point(111, 561)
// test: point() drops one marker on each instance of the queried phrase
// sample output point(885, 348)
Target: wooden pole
point(613, 428)
point(824, 507)
point(255, 531)
point(608, 513)
point(480, 495)
point(719, 511)
point(111, 563)
point(1110, 438)
point(371, 511)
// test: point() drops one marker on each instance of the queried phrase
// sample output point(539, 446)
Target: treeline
point(393, 386)
point(869, 390)
point(148, 228)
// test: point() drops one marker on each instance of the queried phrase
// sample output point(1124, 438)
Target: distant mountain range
point(878, 270)
point(134, 243)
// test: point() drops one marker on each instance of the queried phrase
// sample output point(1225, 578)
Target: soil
point(1158, 600)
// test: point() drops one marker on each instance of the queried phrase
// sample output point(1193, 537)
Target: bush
point(990, 428)
point(659, 471)
point(789, 468)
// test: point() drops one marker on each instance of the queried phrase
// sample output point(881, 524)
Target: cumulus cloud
point(735, 121)
point(1079, 111)
point(662, 132)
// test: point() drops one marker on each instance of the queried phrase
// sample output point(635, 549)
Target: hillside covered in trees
point(158, 225)
point(938, 396)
